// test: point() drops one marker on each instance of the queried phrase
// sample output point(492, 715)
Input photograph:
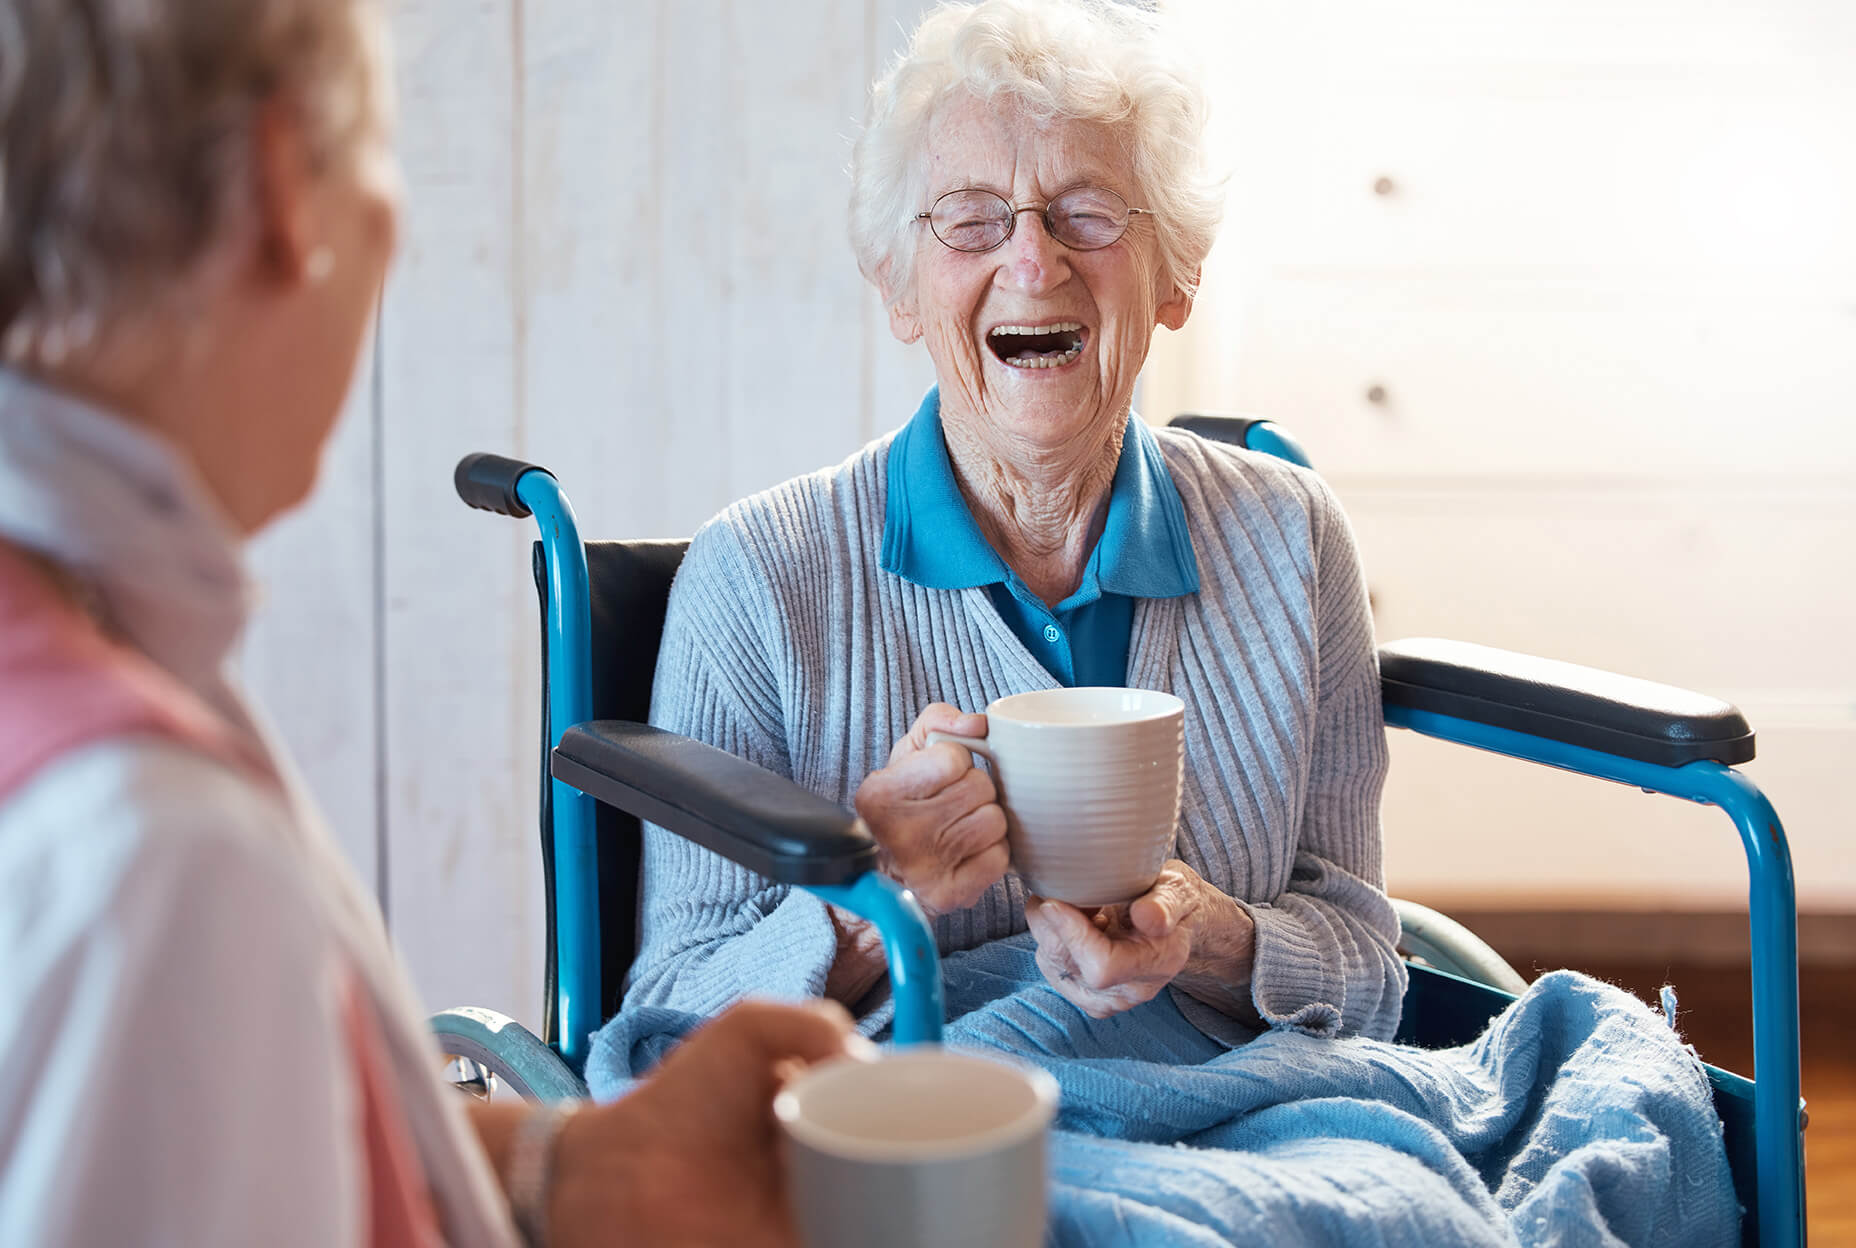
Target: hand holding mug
point(1119, 956)
point(691, 1156)
point(936, 815)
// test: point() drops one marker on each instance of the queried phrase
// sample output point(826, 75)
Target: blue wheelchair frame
point(914, 965)
point(1778, 1122)
point(908, 941)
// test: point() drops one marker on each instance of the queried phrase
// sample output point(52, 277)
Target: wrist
point(859, 961)
point(1223, 936)
point(887, 866)
point(531, 1167)
point(1223, 945)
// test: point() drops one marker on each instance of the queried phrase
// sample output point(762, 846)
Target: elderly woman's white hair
point(125, 132)
point(1091, 60)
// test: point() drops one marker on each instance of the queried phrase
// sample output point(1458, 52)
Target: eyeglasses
point(1084, 219)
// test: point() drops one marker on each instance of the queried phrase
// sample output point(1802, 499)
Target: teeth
point(1030, 360)
point(1044, 361)
point(1062, 327)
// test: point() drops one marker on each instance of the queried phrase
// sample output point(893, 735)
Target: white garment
point(175, 937)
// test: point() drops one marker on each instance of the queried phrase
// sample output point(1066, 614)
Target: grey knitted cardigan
point(787, 644)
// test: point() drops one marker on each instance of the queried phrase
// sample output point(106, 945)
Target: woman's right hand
point(936, 815)
point(692, 1155)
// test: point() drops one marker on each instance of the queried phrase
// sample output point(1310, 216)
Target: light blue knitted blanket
point(1577, 1118)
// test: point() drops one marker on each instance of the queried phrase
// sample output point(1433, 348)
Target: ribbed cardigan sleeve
point(1326, 959)
point(712, 932)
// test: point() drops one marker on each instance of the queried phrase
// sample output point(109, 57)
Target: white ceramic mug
point(1089, 779)
point(922, 1148)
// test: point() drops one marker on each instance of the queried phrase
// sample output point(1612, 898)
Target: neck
point(61, 582)
point(1041, 507)
point(163, 394)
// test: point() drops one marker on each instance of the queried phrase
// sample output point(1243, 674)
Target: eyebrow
point(1097, 178)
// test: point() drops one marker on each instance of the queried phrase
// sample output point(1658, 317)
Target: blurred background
point(1561, 297)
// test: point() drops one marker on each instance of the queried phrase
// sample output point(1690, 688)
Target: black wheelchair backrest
point(628, 588)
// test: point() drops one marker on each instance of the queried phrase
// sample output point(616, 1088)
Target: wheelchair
point(603, 770)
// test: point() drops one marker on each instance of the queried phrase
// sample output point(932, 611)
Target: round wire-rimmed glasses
point(1085, 218)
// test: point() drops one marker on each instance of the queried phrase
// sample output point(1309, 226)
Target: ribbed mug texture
point(1090, 782)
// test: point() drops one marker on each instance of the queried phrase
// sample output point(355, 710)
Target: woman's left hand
point(1119, 956)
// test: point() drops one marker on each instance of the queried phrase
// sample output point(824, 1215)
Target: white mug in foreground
point(1089, 779)
point(923, 1148)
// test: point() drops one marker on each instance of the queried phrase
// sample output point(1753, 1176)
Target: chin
point(1053, 400)
point(290, 493)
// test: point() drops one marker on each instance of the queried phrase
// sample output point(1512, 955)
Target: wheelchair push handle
point(488, 482)
point(1250, 432)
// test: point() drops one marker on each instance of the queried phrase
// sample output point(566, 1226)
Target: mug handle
point(977, 744)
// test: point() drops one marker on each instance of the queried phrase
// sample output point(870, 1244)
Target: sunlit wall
point(1562, 298)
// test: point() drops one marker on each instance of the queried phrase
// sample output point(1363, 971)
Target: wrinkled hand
point(1118, 956)
point(936, 815)
point(692, 1156)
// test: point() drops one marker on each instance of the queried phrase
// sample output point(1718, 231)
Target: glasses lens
point(971, 220)
point(1088, 217)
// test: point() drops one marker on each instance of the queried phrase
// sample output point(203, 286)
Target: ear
point(1174, 310)
point(282, 179)
point(903, 321)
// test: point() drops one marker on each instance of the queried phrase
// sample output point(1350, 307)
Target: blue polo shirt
point(931, 538)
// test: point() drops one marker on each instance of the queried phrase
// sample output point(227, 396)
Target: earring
point(319, 265)
point(18, 343)
point(52, 346)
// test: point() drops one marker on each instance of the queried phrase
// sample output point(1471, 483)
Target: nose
point(1031, 260)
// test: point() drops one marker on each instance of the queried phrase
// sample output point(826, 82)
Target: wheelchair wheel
point(486, 1052)
point(1442, 942)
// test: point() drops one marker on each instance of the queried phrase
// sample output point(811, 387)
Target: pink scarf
point(65, 685)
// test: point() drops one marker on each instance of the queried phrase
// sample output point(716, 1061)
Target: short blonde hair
point(1097, 61)
point(125, 136)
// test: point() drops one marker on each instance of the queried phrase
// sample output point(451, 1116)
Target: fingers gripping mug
point(1089, 779)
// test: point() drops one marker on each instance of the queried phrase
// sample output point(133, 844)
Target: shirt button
point(1051, 634)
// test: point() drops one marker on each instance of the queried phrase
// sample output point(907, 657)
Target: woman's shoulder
point(804, 520)
point(143, 829)
point(1222, 479)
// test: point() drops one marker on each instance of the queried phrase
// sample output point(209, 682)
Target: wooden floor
point(1715, 1016)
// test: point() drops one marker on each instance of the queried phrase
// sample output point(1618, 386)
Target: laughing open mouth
point(1037, 346)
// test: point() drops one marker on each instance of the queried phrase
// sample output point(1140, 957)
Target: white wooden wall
point(625, 259)
point(1583, 369)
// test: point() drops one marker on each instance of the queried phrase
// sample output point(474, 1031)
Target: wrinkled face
point(1034, 344)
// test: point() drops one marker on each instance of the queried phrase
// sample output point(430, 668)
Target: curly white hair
point(1114, 64)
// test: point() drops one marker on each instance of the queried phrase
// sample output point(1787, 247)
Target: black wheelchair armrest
point(743, 812)
point(1563, 702)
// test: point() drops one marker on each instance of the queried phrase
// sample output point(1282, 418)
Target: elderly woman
point(206, 1038)
point(1029, 197)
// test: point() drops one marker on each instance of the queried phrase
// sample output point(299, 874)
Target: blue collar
point(931, 539)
